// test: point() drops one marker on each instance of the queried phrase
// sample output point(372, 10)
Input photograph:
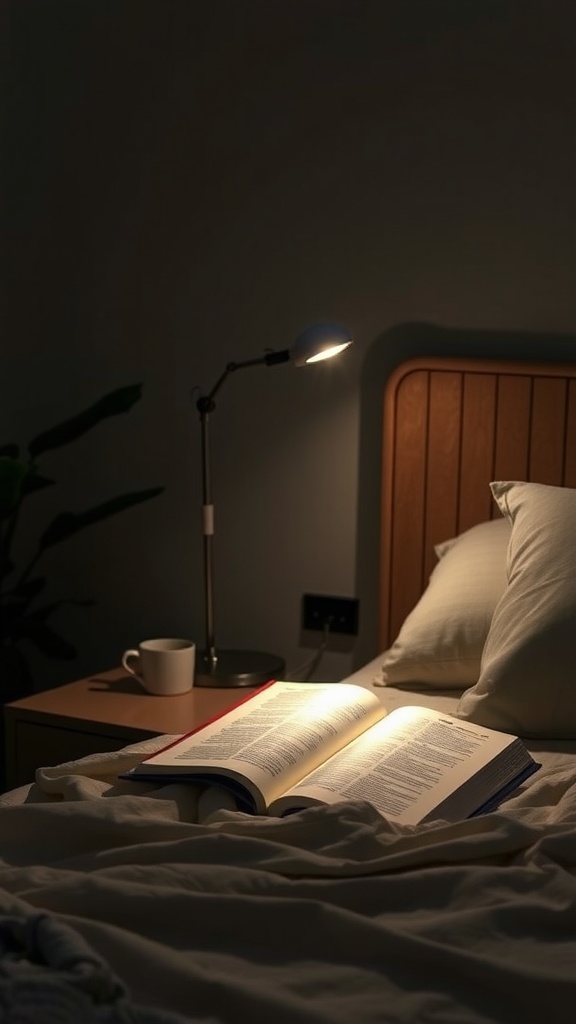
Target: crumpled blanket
point(50, 975)
point(330, 916)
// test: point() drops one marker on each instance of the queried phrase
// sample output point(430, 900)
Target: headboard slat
point(478, 430)
point(547, 443)
point(443, 463)
point(570, 442)
point(512, 436)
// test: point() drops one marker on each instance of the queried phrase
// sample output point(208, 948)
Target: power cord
point(307, 669)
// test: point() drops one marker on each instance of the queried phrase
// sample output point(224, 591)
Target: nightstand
point(102, 712)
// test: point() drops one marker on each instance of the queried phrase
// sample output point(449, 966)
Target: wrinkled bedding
point(192, 911)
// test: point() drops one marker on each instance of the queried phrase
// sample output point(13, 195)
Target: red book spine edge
point(209, 721)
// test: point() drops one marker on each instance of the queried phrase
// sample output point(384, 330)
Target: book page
point(406, 765)
point(276, 737)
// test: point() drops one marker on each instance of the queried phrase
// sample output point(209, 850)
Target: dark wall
point(187, 183)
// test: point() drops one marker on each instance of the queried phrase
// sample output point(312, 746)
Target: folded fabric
point(49, 974)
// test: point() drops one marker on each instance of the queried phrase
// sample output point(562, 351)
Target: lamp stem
point(208, 529)
point(205, 405)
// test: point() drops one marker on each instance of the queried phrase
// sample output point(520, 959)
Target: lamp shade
point(321, 341)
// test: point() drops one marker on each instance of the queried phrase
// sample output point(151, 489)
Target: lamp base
point(238, 668)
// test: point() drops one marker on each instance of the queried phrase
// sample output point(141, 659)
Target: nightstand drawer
point(100, 713)
point(39, 746)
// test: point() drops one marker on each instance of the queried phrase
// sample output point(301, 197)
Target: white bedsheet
point(551, 754)
point(332, 916)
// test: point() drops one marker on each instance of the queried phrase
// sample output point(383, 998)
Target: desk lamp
point(236, 667)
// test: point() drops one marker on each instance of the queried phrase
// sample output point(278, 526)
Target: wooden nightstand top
point(114, 698)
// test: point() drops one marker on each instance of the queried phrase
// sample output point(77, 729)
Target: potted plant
point(24, 617)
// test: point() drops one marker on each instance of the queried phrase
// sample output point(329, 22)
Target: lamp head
point(319, 342)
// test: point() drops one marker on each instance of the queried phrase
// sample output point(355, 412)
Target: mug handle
point(127, 657)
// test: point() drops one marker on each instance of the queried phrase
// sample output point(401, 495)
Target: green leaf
point(9, 451)
point(16, 623)
point(13, 616)
point(47, 640)
point(15, 676)
point(27, 591)
point(116, 402)
point(67, 524)
point(13, 472)
point(35, 482)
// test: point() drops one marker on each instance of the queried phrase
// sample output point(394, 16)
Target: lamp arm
point(205, 403)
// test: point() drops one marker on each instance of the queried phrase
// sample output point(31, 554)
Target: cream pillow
point(440, 642)
point(527, 684)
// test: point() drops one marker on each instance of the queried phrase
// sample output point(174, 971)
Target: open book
point(294, 745)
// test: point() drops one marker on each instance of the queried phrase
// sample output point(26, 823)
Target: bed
point(159, 904)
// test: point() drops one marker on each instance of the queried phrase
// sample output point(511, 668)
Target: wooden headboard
point(450, 426)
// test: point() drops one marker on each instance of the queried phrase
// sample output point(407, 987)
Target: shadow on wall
point(388, 350)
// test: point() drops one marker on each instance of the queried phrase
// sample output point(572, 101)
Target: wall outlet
point(338, 614)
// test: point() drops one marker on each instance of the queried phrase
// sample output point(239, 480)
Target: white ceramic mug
point(164, 667)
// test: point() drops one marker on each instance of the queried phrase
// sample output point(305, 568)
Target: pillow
point(440, 642)
point(527, 684)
